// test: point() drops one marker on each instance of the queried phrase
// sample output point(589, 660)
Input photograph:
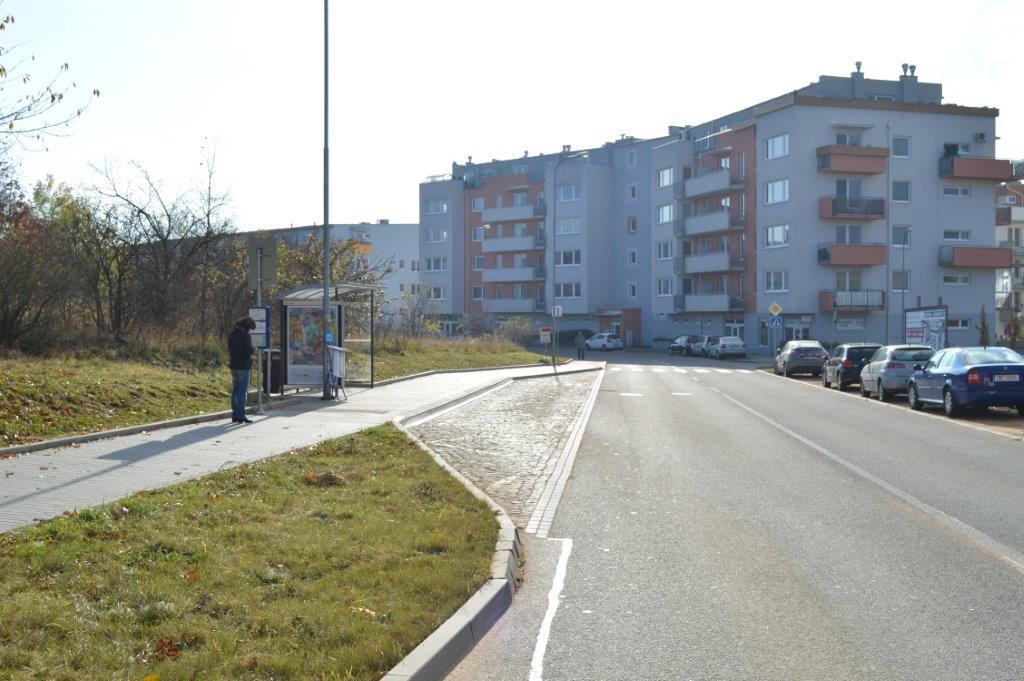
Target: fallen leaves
point(326, 479)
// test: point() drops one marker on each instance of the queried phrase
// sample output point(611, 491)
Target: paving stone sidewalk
point(508, 442)
point(50, 482)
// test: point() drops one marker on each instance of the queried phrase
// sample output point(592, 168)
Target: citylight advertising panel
point(926, 326)
point(304, 354)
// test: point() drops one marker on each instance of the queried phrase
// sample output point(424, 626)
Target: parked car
point(705, 347)
point(800, 356)
point(682, 346)
point(727, 346)
point(889, 369)
point(962, 378)
point(844, 364)
point(604, 341)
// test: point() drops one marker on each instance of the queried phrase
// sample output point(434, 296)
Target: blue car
point(961, 378)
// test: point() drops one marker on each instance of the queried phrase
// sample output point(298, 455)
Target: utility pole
point(327, 227)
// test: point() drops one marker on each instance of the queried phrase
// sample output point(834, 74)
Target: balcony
point(976, 168)
point(511, 243)
point(709, 302)
point(497, 275)
point(719, 220)
point(512, 305)
point(836, 158)
point(514, 213)
point(975, 256)
point(1004, 215)
point(718, 261)
point(714, 182)
point(1018, 251)
point(851, 254)
point(851, 208)
point(679, 226)
point(851, 301)
point(679, 190)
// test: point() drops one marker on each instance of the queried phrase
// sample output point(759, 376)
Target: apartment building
point(1010, 234)
point(844, 203)
point(391, 245)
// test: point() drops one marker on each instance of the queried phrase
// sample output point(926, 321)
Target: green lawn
point(330, 562)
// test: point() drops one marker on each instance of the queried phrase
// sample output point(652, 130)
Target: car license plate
point(1006, 378)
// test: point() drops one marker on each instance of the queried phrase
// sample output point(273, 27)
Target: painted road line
point(744, 371)
point(630, 395)
point(991, 545)
point(554, 598)
point(683, 394)
point(679, 370)
point(615, 369)
point(635, 369)
point(703, 371)
point(658, 370)
point(724, 371)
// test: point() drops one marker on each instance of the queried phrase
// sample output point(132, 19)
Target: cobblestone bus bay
point(508, 442)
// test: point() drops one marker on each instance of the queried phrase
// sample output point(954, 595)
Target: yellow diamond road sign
point(775, 309)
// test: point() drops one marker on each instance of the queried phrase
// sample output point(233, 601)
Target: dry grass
point(330, 562)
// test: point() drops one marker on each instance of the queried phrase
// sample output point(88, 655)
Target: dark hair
point(245, 324)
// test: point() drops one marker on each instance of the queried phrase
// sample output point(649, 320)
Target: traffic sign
point(545, 335)
point(776, 321)
point(775, 309)
point(261, 334)
point(556, 311)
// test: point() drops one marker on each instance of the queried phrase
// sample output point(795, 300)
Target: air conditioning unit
point(979, 137)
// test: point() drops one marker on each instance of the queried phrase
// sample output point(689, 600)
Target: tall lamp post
point(327, 228)
point(554, 251)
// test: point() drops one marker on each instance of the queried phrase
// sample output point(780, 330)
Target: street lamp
point(554, 251)
point(327, 231)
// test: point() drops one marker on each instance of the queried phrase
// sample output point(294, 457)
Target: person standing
point(581, 345)
point(241, 351)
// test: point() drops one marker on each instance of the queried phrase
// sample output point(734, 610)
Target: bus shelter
point(350, 325)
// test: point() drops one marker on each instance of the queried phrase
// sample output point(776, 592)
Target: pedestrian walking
point(581, 345)
point(241, 351)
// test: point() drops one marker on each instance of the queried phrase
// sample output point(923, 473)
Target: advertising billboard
point(926, 326)
point(304, 351)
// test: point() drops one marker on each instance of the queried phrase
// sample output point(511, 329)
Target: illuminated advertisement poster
point(926, 326)
point(305, 352)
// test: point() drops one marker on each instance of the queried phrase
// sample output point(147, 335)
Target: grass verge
point(330, 562)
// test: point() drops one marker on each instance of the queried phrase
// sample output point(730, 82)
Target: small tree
point(1015, 330)
point(984, 337)
point(515, 329)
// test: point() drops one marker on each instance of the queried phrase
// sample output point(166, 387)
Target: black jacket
point(241, 350)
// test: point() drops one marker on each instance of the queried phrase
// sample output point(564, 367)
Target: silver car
point(800, 356)
point(888, 370)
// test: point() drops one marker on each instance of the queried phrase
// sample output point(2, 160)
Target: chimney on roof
point(857, 83)
point(383, 221)
point(526, 154)
point(566, 148)
point(908, 84)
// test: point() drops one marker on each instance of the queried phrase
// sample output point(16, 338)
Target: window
point(956, 234)
point(519, 229)
point(478, 234)
point(956, 191)
point(436, 264)
point(901, 236)
point(520, 199)
point(956, 279)
point(847, 234)
point(478, 292)
point(401, 288)
point(776, 281)
point(963, 148)
point(1010, 199)
point(631, 290)
point(847, 280)
point(776, 236)
point(631, 159)
point(478, 204)
point(568, 192)
point(478, 262)
point(568, 226)
point(776, 147)
point(849, 139)
point(901, 280)
point(901, 191)
point(631, 192)
point(663, 249)
point(665, 177)
point(848, 188)
point(415, 288)
point(414, 265)
point(563, 258)
point(631, 258)
point(665, 213)
point(958, 324)
point(883, 98)
point(776, 192)
point(568, 289)
point(900, 147)
point(631, 224)
point(437, 292)
point(437, 235)
point(518, 170)
point(663, 286)
point(436, 206)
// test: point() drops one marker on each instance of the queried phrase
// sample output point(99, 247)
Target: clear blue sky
point(416, 85)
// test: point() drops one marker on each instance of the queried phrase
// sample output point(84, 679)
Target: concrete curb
point(14, 450)
point(399, 379)
point(438, 654)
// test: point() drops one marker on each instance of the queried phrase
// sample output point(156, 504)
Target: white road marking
point(998, 548)
point(724, 371)
point(744, 371)
point(683, 394)
point(715, 389)
point(679, 370)
point(615, 369)
point(658, 370)
point(630, 395)
point(703, 371)
point(638, 369)
point(554, 596)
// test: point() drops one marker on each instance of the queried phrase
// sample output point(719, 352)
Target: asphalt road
point(729, 525)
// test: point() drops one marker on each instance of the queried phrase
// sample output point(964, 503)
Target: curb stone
point(440, 652)
point(409, 377)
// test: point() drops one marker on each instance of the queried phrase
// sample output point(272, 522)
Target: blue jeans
point(239, 390)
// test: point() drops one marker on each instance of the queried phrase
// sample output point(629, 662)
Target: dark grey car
point(800, 357)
